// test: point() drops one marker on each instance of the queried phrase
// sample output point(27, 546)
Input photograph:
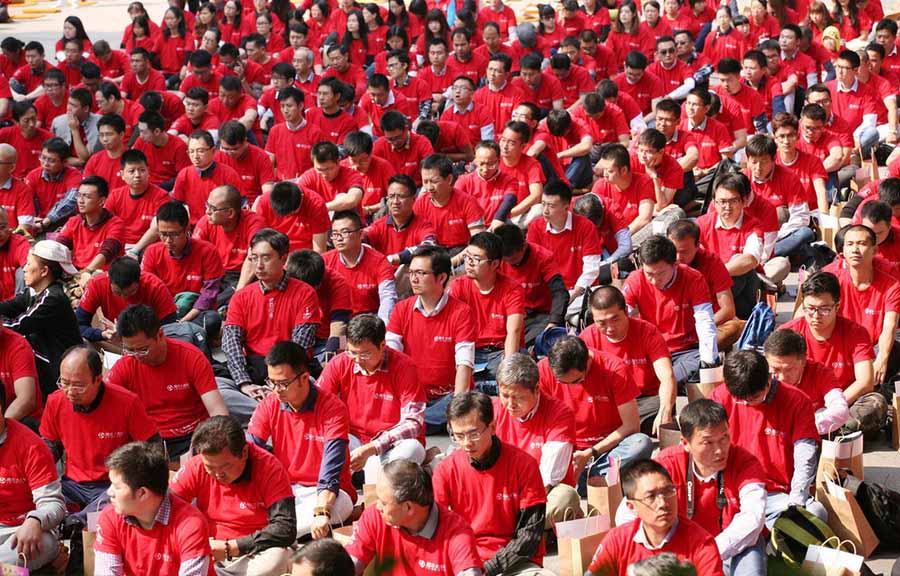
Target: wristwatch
point(321, 511)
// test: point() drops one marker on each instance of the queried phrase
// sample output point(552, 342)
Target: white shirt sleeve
point(555, 459)
point(835, 413)
point(798, 217)
point(707, 334)
point(590, 269)
point(387, 297)
point(487, 132)
point(465, 354)
point(681, 92)
point(744, 529)
point(394, 341)
point(754, 246)
point(624, 514)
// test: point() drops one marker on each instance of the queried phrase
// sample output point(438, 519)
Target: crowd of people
point(253, 253)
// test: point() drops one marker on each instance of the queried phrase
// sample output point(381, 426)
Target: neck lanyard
point(720, 491)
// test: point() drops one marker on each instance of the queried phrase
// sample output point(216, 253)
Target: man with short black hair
point(252, 163)
point(194, 183)
point(334, 299)
point(136, 203)
point(300, 214)
point(106, 162)
point(339, 186)
point(166, 155)
point(404, 149)
point(291, 141)
point(627, 193)
point(455, 215)
point(54, 184)
point(499, 96)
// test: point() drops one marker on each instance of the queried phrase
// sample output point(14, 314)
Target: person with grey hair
point(543, 427)
point(15, 196)
point(665, 564)
point(323, 558)
point(405, 517)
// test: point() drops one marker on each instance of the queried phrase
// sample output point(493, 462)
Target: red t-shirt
point(647, 89)
point(852, 105)
point(405, 160)
point(491, 500)
point(292, 148)
point(172, 391)
point(432, 340)
point(570, 246)
point(344, 180)
point(642, 347)
point(770, 430)
point(12, 257)
point(100, 164)
point(160, 550)
point(534, 273)
point(375, 400)
point(87, 240)
point(450, 551)
point(491, 310)
point(783, 188)
point(193, 189)
point(626, 202)
point(184, 126)
point(164, 162)
point(816, 382)
point(334, 127)
point(334, 294)
point(728, 242)
point(807, 168)
point(472, 120)
point(384, 237)
point(49, 193)
point(548, 90)
point(528, 171)
point(608, 128)
point(299, 437)
point(713, 270)
point(710, 140)
point(133, 88)
point(866, 307)
point(231, 246)
point(364, 278)
point(848, 344)
point(499, 103)
point(578, 82)
point(670, 310)
point(239, 508)
point(88, 438)
point(47, 110)
point(271, 317)
point(741, 468)
point(28, 150)
point(595, 401)
point(25, 465)
point(690, 542)
point(452, 221)
point(17, 361)
point(671, 79)
point(136, 212)
point(669, 171)
point(489, 193)
point(218, 109)
point(254, 169)
point(98, 295)
point(185, 274)
point(821, 149)
point(374, 180)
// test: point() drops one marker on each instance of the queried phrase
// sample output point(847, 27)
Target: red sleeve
point(90, 302)
point(277, 485)
point(162, 299)
point(892, 298)
point(721, 279)
point(202, 378)
point(107, 533)
point(23, 363)
point(515, 299)
point(624, 390)
point(185, 483)
point(706, 558)
point(723, 138)
point(748, 468)
point(39, 465)
point(396, 324)
point(192, 535)
point(654, 344)
point(331, 377)
point(463, 551)
point(178, 191)
point(363, 546)
point(264, 169)
point(140, 427)
point(48, 429)
point(440, 482)
point(408, 384)
point(536, 173)
point(236, 311)
point(318, 220)
point(261, 421)
point(337, 422)
point(472, 211)
point(861, 343)
point(464, 325)
point(212, 263)
point(610, 550)
point(592, 245)
point(699, 294)
point(532, 490)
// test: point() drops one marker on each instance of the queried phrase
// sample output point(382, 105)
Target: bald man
point(15, 195)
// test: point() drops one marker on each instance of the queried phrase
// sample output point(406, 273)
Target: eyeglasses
point(136, 352)
point(341, 234)
point(212, 209)
point(471, 436)
point(364, 356)
point(475, 260)
point(66, 387)
point(398, 197)
point(84, 196)
point(419, 274)
point(195, 151)
point(820, 310)
point(728, 202)
point(667, 51)
point(651, 498)
point(282, 384)
point(171, 235)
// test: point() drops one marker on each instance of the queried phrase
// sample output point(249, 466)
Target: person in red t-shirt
point(496, 487)
point(401, 147)
point(334, 299)
point(382, 393)
point(196, 115)
point(499, 96)
point(234, 104)
point(246, 496)
point(86, 420)
point(309, 429)
point(596, 388)
point(166, 155)
point(713, 140)
point(644, 87)
point(194, 183)
point(540, 88)
point(13, 255)
point(339, 186)
point(785, 352)
point(54, 185)
point(173, 378)
point(252, 163)
point(136, 203)
point(660, 527)
point(806, 166)
point(298, 213)
point(408, 526)
point(641, 347)
point(374, 171)
point(455, 215)
point(229, 228)
point(536, 269)
point(774, 421)
point(630, 195)
point(19, 378)
point(292, 140)
point(652, 159)
point(141, 77)
point(106, 163)
point(543, 427)
point(25, 137)
point(463, 110)
point(167, 537)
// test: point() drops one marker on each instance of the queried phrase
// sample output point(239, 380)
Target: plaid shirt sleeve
point(233, 345)
point(305, 335)
point(194, 566)
point(106, 564)
point(411, 425)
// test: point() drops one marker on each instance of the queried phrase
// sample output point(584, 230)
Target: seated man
point(374, 170)
point(652, 497)
point(51, 183)
point(322, 556)
point(166, 155)
point(674, 298)
point(381, 391)
point(13, 255)
point(536, 270)
point(190, 268)
point(437, 330)
point(334, 300)
point(194, 183)
point(298, 213)
point(844, 345)
point(77, 127)
point(136, 203)
point(595, 387)
point(252, 535)
point(542, 426)
point(508, 531)
point(196, 115)
point(685, 235)
point(774, 421)
point(16, 197)
point(19, 379)
point(371, 279)
point(124, 284)
point(652, 159)
point(147, 530)
point(785, 352)
point(309, 429)
point(406, 496)
point(339, 186)
point(86, 420)
point(529, 174)
point(737, 238)
point(291, 312)
point(497, 302)
point(712, 139)
point(455, 215)
point(401, 147)
point(495, 191)
point(32, 497)
point(251, 162)
point(173, 378)
point(568, 140)
point(641, 347)
point(96, 234)
point(857, 103)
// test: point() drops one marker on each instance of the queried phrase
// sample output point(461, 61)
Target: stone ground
point(107, 19)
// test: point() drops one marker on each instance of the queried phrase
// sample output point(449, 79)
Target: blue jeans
point(686, 365)
point(751, 561)
point(89, 496)
point(436, 414)
point(632, 448)
point(579, 172)
point(797, 242)
point(486, 362)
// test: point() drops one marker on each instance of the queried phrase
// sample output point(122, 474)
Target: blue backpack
point(759, 325)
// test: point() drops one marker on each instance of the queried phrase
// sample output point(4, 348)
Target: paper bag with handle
point(845, 516)
point(88, 536)
point(844, 452)
point(15, 569)
point(578, 540)
point(605, 492)
point(895, 423)
point(825, 561)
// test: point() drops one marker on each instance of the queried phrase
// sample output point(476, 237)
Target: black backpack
point(881, 507)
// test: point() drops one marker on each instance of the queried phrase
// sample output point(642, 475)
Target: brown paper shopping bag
point(88, 536)
point(605, 492)
point(844, 452)
point(824, 561)
point(846, 518)
point(895, 423)
point(15, 569)
point(578, 540)
point(669, 435)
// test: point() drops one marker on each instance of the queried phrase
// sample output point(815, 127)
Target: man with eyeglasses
point(308, 428)
point(111, 130)
point(366, 270)
point(774, 421)
point(194, 183)
point(496, 487)
point(404, 149)
point(245, 494)
point(808, 168)
point(51, 183)
point(499, 96)
point(855, 102)
point(401, 232)
point(136, 203)
point(16, 197)
point(677, 76)
point(660, 527)
point(252, 163)
point(835, 126)
point(380, 388)
point(472, 116)
point(495, 191)
point(85, 420)
point(54, 100)
point(189, 267)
